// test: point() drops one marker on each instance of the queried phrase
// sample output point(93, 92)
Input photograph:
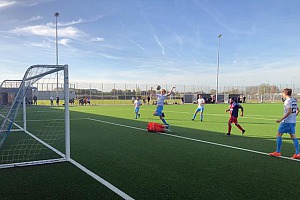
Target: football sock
point(296, 145)
point(240, 127)
point(229, 128)
point(201, 117)
point(278, 143)
point(164, 121)
point(194, 116)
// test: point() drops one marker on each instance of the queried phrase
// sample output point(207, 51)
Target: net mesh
point(33, 123)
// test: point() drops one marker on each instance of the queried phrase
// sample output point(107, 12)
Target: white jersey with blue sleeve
point(290, 103)
point(160, 99)
point(201, 103)
point(137, 103)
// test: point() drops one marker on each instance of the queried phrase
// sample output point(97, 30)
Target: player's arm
point(171, 91)
point(242, 110)
point(289, 111)
point(297, 111)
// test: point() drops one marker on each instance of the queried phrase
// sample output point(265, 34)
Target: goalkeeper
point(160, 104)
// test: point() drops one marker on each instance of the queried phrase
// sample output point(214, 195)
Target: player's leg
point(278, 142)
point(230, 121)
point(196, 111)
point(136, 112)
point(158, 111)
point(201, 114)
point(295, 140)
point(239, 127)
point(281, 129)
point(163, 120)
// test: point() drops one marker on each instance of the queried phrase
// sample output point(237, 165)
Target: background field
point(182, 165)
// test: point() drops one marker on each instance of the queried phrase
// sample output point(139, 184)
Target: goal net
point(34, 117)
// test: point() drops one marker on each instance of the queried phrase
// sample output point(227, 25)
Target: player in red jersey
point(234, 113)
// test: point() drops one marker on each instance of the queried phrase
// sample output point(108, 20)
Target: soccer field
point(195, 161)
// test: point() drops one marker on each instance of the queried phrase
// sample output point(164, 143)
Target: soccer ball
point(158, 87)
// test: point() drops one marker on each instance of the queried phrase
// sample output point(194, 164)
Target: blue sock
point(164, 121)
point(201, 117)
point(278, 143)
point(296, 145)
point(194, 116)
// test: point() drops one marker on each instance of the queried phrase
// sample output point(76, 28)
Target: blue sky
point(155, 41)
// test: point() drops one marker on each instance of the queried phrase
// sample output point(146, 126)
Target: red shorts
point(156, 127)
point(233, 120)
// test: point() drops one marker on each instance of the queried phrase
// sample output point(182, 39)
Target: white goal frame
point(66, 156)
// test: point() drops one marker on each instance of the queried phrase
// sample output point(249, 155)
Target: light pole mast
point(218, 68)
point(56, 43)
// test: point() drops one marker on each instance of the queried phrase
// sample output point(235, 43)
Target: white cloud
point(64, 41)
point(42, 30)
point(4, 4)
point(97, 39)
point(44, 44)
point(35, 18)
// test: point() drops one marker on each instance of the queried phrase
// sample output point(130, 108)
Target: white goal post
point(34, 117)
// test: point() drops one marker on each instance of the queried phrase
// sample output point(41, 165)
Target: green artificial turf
point(110, 142)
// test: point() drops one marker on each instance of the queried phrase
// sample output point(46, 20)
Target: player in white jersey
point(200, 108)
point(160, 105)
point(137, 104)
point(287, 123)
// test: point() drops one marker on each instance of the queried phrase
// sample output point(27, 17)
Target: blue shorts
point(200, 110)
point(159, 110)
point(136, 110)
point(287, 128)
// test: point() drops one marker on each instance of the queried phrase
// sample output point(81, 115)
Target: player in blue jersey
point(287, 123)
point(160, 104)
point(137, 104)
point(200, 108)
point(234, 113)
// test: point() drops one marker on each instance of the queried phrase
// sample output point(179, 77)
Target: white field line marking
point(193, 139)
point(101, 180)
point(81, 167)
point(87, 171)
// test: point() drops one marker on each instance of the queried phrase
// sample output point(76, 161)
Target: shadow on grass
point(156, 166)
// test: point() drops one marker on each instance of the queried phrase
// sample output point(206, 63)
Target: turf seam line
point(196, 140)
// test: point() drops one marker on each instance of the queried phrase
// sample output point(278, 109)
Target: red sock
point(229, 128)
point(239, 126)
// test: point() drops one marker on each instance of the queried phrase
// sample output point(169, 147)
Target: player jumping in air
point(137, 103)
point(160, 105)
point(200, 108)
point(287, 123)
point(234, 113)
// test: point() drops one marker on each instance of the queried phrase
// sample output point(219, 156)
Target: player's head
point(200, 96)
point(137, 98)
point(232, 100)
point(163, 91)
point(286, 92)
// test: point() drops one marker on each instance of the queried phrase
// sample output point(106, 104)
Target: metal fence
point(116, 93)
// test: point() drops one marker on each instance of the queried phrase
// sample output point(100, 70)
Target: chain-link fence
point(116, 93)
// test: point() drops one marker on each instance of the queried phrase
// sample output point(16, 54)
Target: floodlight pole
point(218, 68)
point(56, 43)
